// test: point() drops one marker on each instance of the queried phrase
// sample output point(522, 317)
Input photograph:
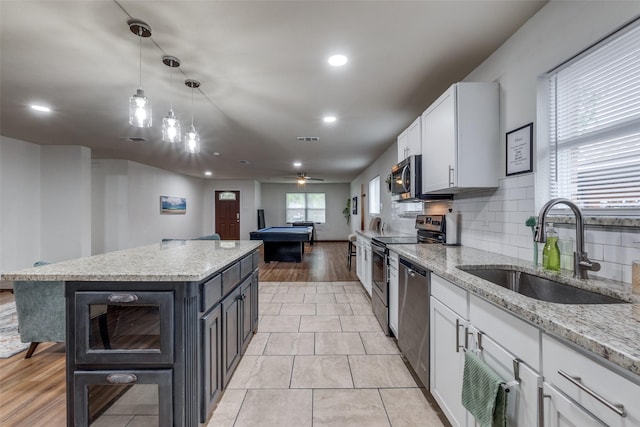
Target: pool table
point(283, 243)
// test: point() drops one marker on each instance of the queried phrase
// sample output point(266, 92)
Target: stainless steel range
point(431, 229)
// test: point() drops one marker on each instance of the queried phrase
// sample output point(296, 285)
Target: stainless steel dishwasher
point(413, 327)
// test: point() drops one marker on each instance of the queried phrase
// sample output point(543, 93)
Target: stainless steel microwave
point(406, 179)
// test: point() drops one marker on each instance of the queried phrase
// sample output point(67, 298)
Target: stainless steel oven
point(430, 229)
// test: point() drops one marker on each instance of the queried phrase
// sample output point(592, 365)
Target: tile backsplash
point(495, 221)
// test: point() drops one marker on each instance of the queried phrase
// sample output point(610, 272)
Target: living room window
point(590, 135)
point(305, 207)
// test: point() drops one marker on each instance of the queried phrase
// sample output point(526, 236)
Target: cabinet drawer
point(99, 395)
point(246, 266)
point(210, 293)
point(230, 278)
point(124, 327)
point(256, 259)
point(612, 387)
point(503, 327)
point(451, 295)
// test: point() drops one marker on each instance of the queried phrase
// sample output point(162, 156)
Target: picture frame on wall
point(354, 206)
point(173, 205)
point(519, 146)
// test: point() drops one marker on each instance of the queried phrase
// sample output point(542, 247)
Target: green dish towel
point(482, 394)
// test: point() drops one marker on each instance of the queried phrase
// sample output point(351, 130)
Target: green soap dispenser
point(551, 252)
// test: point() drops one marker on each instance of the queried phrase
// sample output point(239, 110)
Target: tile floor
point(321, 359)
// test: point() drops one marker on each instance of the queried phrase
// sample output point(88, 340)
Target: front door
point(228, 214)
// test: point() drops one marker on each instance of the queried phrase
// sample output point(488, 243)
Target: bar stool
point(352, 249)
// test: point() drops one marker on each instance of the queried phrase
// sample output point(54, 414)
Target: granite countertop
point(611, 331)
point(177, 260)
point(369, 234)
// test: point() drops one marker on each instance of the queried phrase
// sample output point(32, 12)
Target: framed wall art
point(173, 205)
point(520, 150)
point(354, 206)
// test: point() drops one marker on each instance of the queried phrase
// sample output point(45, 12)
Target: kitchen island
point(154, 332)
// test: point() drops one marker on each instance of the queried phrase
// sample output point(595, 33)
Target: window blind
point(594, 125)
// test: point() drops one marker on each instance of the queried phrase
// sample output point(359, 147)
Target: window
point(305, 207)
point(374, 195)
point(593, 118)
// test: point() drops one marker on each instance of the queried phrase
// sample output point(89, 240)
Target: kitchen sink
point(538, 287)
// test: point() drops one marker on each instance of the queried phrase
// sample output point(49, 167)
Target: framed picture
point(354, 206)
point(520, 150)
point(173, 205)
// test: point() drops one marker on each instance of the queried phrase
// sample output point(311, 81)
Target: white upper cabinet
point(410, 140)
point(460, 139)
point(403, 145)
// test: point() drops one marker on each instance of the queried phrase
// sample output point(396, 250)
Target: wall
point(45, 194)
point(66, 202)
point(19, 204)
point(495, 221)
point(336, 195)
point(126, 204)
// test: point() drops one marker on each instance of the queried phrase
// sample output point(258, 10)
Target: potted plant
point(347, 211)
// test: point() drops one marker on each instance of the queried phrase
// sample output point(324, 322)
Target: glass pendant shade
point(171, 128)
point(192, 141)
point(140, 110)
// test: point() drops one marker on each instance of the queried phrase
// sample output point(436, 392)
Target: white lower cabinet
point(447, 362)
point(448, 312)
point(499, 338)
point(588, 386)
point(393, 293)
point(363, 260)
point(556, 384)
point(522, 398)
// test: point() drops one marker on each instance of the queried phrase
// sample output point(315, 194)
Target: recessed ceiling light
point(208, 173)
point(41, 108)
point(337, 60)
point(329, 119)
point(297, 164)
point(215, 153)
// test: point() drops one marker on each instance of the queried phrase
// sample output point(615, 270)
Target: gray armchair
point(41, 312)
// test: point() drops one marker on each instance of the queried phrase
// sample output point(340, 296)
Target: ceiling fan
point(303, 178)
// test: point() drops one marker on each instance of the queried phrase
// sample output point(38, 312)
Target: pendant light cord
point(191, 106)
point(171, 87)
point(140, 44)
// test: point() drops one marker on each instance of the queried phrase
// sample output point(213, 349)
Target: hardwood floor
point(32, 391)
point(322, 262)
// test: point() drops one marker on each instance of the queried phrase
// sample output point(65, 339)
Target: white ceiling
point(263, 73)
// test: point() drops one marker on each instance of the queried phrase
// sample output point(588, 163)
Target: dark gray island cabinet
point(155, 333)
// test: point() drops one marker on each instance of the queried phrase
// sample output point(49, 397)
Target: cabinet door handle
point(122, 298)
point(458, 346)
point(450, 176)
point(241, 297)
point(541, 397)
point(577, 381)
point(121, 378)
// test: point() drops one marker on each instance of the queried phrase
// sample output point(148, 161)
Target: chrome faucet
point(581, 263)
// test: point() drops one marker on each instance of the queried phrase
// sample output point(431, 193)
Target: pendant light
point(170, 124)
point(139, 104)
point(191, 137)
